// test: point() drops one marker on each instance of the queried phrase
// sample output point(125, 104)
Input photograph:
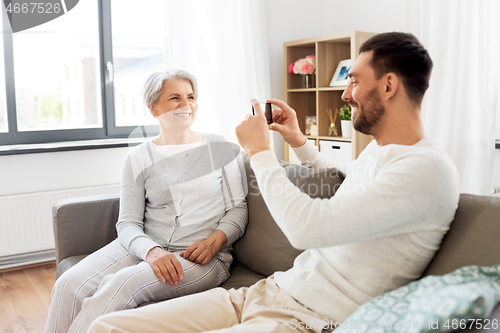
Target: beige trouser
point(263, 307)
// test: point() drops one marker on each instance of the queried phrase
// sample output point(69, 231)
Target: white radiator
point(26, 219)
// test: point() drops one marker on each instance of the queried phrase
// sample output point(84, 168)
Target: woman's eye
point(191, 97)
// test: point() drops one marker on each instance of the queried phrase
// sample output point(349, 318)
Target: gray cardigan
point(176, 200)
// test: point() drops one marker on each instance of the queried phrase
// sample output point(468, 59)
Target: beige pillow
point(264, 248)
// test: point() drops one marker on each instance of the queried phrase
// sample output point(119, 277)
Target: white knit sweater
point(377, 233)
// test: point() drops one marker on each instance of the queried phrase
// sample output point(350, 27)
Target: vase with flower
point(305, 67)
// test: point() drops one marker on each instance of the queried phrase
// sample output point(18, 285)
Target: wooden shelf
point(328, 138)
point(302, 90)
point(334, 138)
point(341, 88)
point(329, 51)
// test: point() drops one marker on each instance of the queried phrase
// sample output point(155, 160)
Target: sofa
point(83, 225)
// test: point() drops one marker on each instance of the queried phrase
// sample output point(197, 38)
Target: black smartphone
point(268, 113)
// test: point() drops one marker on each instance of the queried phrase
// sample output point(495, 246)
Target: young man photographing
point(376, 234)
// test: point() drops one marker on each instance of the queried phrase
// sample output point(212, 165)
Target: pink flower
point(298, 66)
point(303, 66)
point(307, 68)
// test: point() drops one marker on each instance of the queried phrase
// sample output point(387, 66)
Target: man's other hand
point(285, 123)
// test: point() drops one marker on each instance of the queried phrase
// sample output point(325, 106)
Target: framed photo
point(340, 77)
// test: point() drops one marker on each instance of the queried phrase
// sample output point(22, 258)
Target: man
point(376, 234)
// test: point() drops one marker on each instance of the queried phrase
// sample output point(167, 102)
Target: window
point(138, 50)
point(3, 106)
point(56, 71)
point(79, 76)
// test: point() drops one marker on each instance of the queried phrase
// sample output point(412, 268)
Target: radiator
point(26, 220)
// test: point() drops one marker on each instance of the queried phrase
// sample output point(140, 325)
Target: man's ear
point(391, 85)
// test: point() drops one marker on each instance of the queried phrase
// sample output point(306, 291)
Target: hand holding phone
point(268, 113)
point(253, 133)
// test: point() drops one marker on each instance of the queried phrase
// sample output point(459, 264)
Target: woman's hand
point(285, 123)
point(165, 265)
point(201, 252)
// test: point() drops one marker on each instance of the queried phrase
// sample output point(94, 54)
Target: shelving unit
point(329, 51)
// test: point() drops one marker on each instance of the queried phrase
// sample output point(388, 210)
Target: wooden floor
point(25, 298)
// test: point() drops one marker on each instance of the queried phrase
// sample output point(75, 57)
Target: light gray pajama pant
point(111, 279)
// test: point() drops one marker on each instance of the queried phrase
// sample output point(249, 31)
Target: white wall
point(364, 15)
point(289, 20)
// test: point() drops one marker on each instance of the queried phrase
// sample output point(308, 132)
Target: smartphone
point(268, 113)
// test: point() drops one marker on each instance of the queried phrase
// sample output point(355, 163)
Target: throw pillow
point(459, 300)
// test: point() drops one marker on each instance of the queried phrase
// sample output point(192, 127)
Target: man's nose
point(346, 95)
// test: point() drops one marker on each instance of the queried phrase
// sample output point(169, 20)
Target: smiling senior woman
point(182, 205)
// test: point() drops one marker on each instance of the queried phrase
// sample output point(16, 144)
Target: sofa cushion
point(241, 276)
point(67, 263)
point(472, 238)
point(264, 248)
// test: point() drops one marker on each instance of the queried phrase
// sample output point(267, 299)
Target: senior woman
point(182, 205)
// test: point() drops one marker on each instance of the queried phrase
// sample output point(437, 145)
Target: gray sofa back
point(473, 238)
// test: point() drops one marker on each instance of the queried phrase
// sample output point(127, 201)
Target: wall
point(296, 19)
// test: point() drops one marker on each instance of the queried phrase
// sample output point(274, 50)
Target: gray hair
point(154, 84)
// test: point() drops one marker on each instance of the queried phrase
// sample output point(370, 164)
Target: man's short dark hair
point(401, 54)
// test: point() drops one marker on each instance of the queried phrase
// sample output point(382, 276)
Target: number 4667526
point(471, 323)
point(34, 7)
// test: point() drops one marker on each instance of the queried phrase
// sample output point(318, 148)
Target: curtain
point(460, 107)
point(223, 43)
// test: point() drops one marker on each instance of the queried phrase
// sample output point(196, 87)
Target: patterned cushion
point(432, 304)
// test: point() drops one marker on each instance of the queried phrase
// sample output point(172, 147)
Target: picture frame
point(340, 77)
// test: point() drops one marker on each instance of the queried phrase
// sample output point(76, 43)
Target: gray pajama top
point(173, 201)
